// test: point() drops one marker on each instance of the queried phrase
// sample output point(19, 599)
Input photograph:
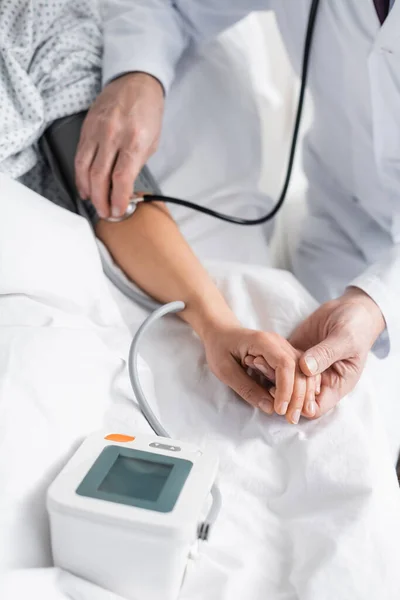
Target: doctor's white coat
point(352, 153)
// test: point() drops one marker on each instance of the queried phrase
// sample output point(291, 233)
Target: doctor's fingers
point(85, 154)
point(131, 158)
point(232, 374)
point(106, 169)
point(99, 179)
point(327, 400)
point(110, 155)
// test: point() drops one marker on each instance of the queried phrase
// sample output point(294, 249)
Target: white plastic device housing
point(137, 553)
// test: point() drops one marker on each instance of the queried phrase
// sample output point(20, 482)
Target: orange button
point(119, 437)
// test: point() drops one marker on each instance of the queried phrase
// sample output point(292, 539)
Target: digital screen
point(136, 478)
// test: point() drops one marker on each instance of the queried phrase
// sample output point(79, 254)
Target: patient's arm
point(152, 252)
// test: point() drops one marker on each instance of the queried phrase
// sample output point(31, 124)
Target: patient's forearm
point(152, 252)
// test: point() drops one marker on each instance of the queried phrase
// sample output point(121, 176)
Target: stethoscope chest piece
point(132, 206)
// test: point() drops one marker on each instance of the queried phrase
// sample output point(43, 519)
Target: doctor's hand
point(336, 340)
point(229, 351)
point(119, 134)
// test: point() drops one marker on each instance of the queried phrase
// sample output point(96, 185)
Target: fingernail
point(318, 390)
point(272, 391)
point(311, 408)
point(266, 406)
point(262, 369)
point(311, 364)
point(115, 212)
point(283, 408)
point(296, 416)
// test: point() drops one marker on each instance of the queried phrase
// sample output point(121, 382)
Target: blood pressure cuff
point(59, 145)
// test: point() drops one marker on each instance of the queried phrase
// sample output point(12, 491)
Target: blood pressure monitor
point(126, 511)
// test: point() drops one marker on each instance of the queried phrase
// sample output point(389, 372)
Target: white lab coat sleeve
point(381, 282)
point(151, 35)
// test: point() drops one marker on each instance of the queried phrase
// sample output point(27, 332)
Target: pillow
point(61, 364)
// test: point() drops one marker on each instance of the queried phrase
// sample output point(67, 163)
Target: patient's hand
point(229, 351)
point(310, 408)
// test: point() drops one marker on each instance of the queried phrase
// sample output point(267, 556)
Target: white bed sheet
point(310, 512)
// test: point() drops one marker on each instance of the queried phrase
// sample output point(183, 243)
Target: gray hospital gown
point(50, 67)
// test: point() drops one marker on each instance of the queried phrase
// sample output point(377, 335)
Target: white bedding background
point(310, 512)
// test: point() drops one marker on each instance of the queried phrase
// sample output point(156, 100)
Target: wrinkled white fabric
point(309, 512)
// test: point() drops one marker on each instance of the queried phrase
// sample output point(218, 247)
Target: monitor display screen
point(136, 478)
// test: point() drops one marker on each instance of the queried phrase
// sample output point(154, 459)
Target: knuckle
point(272, 336)
point(298, 400)
point(127, 155)
point(258, 337)
point(79, 160)
point(133, 143)
point(83, 152)
point(97, 172)
point(258, 340)
point(286, 362)
point(140, 133)
point(121, 176)
point(109, 129)
point(104, 124)
point(325, 353)
point(350, 337)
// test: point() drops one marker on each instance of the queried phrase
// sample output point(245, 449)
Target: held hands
point(334, 343)
point(325, 356)
point(336, 340)
point(229, 350)
point(120, 133)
